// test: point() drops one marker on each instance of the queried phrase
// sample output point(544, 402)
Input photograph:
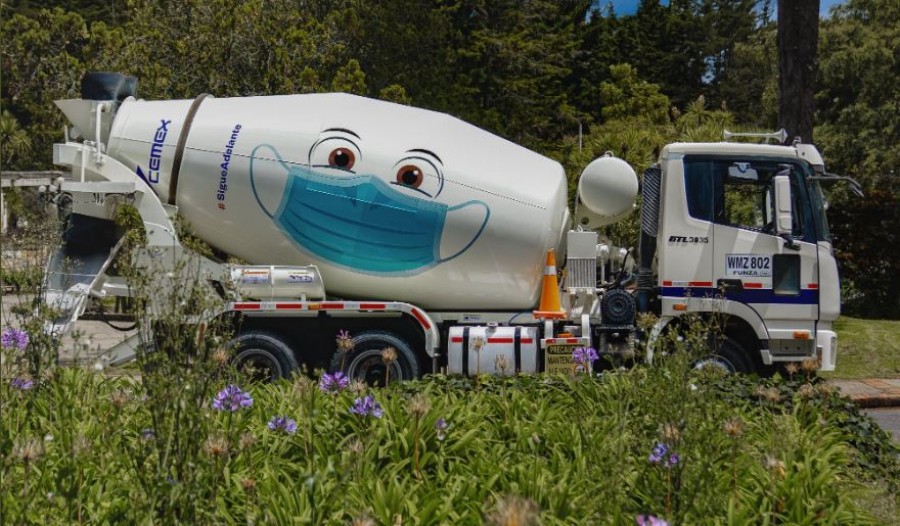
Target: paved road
point(889, 420)
point(83, 344)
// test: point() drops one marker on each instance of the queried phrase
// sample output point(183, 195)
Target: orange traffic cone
point(549, 308)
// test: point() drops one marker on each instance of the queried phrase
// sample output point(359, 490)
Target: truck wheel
point(728, 356)
point(364, 362)
point(264, 356)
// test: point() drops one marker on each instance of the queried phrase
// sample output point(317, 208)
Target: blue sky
point(627, 7)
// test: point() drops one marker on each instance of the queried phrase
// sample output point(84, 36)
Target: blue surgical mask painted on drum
point(360, 222)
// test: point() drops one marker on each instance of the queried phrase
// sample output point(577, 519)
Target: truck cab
point(742, 232)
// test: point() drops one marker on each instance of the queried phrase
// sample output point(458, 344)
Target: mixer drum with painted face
point(388, 201)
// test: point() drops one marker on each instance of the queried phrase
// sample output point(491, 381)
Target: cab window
point(740, 193)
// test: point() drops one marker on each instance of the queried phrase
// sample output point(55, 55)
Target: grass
point(867, 349)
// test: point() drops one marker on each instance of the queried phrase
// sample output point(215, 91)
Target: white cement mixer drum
point(388, 201)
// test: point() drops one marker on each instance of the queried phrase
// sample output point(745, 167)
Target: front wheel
point(366, 360)
point(726, 355)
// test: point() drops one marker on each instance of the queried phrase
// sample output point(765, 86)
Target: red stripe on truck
point(247, 306)
point(419, 316)
point(280, 306)
point(372, 306)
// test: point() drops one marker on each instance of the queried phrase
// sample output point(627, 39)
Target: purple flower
point(333, 383)
point(650, 520)
point(585, 355)
point(14, 339)
point(22, 384)
point(367, 407)
point(148, 434)
point(673, 460)
point(232, 399)
point(283, 424)
point(661, 455)
point(440, 428)
point(658, 453)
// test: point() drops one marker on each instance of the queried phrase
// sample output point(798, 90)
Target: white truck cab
point(742, 231)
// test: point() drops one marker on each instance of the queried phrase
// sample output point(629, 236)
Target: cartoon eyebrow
point(429, 152)
point(344, 130)
point(329, 138)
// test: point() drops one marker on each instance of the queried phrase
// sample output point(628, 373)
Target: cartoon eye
point(342, 158)
point(410, 175)
point(419, 173)
point(335, 152)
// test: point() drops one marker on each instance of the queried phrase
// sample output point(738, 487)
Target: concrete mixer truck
point(412, 229)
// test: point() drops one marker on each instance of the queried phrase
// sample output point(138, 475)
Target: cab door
point(775, 276)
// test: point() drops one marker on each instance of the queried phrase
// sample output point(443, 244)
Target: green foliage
point(20, 280)
point(626, 95)
point(579, 450)
point(691, 446)
point(394, 93)
point(14, 141)
point(858, 134)
point(350, 79)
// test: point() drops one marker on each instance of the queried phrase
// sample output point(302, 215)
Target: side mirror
point(784, 218)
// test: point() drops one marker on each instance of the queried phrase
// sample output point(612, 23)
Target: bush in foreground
point(662, 443)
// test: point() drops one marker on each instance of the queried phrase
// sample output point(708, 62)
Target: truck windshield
point(819, 204)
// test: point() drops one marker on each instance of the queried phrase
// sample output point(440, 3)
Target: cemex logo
point(156, 148)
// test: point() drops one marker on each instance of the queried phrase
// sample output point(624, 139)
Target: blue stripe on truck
point(806, 296)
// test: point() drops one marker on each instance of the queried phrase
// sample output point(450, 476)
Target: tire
point(264, 355)
point(727, 355)
point(364, 362)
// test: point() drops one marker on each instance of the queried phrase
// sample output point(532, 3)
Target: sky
point(627, 7)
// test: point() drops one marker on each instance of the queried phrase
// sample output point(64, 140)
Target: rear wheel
point(365, 361)
point(264, 356)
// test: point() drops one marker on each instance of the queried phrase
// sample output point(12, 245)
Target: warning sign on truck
point(748, 266)
point(559, 359)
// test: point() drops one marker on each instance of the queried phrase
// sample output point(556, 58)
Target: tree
point(798, 39)
point(626, 95)
point(41, 61)
point(858, 133)
point(350, 79)
point(14, 141)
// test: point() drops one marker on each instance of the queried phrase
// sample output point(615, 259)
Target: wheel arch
point(749, 334)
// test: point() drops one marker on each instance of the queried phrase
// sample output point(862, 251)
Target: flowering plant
point(333, 383)
point(232, 399)
point(661, 455)
point(283, 424)
point(367, 407)
point(583, 355)
point(14, 339)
